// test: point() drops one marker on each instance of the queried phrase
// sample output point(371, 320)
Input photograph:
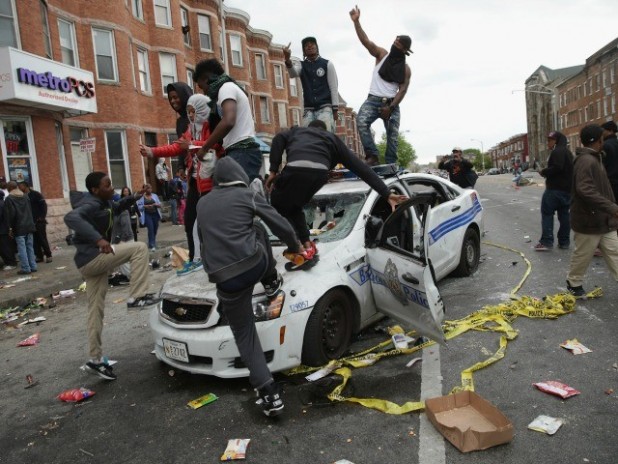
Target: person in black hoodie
point(7, 244)
point(610, 160)
point(92, 221)
point(557, 196)
point(236, 254)
point(39, 215)
point(21, 227)
point(178, 94)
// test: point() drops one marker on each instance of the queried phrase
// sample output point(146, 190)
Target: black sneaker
point(577, 292)
point(271, 288)
point(270, 400)
point(144, 301)
point(101, 369)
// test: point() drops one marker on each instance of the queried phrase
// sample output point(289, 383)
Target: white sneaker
point(8, 268)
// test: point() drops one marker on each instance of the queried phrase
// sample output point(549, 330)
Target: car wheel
point(329, 329)
point(470, 254)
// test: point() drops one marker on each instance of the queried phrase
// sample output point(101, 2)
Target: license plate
point(176, 350)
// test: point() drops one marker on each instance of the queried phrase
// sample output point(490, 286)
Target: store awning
point(264, 147)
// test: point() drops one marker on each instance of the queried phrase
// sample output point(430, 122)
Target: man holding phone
point(458, 168)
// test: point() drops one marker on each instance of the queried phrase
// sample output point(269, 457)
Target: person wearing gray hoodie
point(21, 227)
point(236, 254)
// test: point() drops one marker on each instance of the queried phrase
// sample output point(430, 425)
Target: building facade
point(510, 152)
point(95, 86)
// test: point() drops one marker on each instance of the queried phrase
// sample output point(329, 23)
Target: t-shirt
point(244, 127)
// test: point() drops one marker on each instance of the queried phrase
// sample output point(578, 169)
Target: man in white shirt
point(162, 174)
point(236, 130)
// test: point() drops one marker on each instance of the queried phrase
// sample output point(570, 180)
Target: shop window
point(264, 110)
point(235, 45)
point(138, 10)
point(144, 70)
point(186, 30)
point(45, 28)
point(163, 15)
point(278, 76)
point(115, 144)
point(260, 68)
point(68, 44)
point(105, 52)
point(167, 62)
point(203, 24)
point(20, 162)
point(293, 88)
point(9, 33)
point(221, 51)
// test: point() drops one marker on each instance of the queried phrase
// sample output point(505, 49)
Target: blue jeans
point(250, 159)
point(25, 251)
point(174, 211)
point(555, 201)
point(367, 115)
point(323, 114)
point(151, 220)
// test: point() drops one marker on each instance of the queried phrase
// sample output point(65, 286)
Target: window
point(68, 44)
point(190, 82)
point(8, 30)
point(264, 113)
point(186, 34)
point(46, 36)
point(235, 45)
point(138, 11)
point(221, 52)
point(203, 24)
point(283, 115)
point(105, 52)
point(115, 145)
point(144, 70)
point(296, 117)
point(163, 15)
point(293, 88)
point(260, 68)
point(168, 70)
point(278, 76)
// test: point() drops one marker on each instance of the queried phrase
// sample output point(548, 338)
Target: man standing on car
point(458, 168)
point(319, 81)
point(389, 84)
point(557, 196)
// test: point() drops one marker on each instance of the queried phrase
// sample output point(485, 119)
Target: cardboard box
point(469, 421)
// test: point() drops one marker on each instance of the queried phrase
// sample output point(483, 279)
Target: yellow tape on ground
point(496, 318)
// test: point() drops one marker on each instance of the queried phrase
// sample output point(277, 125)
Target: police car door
point(401, 279)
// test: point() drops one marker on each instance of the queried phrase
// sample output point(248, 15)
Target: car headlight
point(267, 309)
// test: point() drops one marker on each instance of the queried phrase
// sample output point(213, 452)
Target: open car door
point(400, 270)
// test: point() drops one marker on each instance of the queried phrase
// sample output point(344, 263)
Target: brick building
point(513, 150)
point(108, 66)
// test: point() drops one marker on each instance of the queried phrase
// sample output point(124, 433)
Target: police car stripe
point(456, 222)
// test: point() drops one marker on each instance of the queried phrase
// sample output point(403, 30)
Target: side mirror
point(373, 228)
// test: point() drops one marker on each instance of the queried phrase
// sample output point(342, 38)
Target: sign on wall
point(87, 145)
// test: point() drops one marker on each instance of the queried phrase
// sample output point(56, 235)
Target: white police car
point(373, 262)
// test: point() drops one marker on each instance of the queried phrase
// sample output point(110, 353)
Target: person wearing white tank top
point(389, 83)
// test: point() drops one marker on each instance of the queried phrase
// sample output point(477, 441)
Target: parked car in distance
point(493, 171)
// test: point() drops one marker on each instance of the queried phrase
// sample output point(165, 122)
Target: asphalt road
point(142, 417)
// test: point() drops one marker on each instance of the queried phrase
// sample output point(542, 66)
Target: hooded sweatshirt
point(225, 224)
point(19, 213)
point(184, 92)
point(559, 171)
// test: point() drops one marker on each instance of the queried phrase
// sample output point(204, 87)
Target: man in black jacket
point(557, 196)
point(21, 227)
point(610, 160)
point(39, 215)
point(91, 220)
point(458, 168)
point(7, 244)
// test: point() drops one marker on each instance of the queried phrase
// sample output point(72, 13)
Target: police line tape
point(494, 318)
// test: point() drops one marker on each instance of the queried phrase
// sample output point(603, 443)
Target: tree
point(406, 154)
point(478, 162)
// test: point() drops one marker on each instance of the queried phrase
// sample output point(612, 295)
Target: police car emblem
point(391, 280)
point(320, 72)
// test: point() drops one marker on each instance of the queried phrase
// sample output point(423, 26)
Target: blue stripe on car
point(455, 222)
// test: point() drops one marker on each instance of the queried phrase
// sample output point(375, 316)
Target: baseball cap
point(610, 126)
point(553, 135)
point(406, 41)
point(457, 149)
point(2, 179)
point(590, 134)
point(308, 39)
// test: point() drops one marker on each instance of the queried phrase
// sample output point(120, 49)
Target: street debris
point(609, 391)
point(343, 461)
point(30, 341)
point(236, 449)
point(155, 264)
point(75, 395)
point(31, 382)
point(60, 268)
point(202, 401)
point(171, 372)
point(86, 453)
point(82, 287)
point(118, 300)
point(64, 294)
point(321, 373)
point(545, 424)
point(401, 340)
point(36, 320)
point(413, 361)
point(556, 388)
point(575, 347)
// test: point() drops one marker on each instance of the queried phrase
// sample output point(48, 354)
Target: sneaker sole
point(90, 370)
point(273, 412)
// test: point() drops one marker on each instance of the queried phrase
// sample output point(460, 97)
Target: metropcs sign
point(29, 80)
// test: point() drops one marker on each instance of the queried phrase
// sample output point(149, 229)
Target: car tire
point(470, 254)
point(329, 329)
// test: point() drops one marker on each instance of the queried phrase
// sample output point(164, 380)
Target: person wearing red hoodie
point(199, 170)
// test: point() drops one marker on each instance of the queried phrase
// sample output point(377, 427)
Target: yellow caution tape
point(496, 318)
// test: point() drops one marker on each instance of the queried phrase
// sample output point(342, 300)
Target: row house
point(510, 152)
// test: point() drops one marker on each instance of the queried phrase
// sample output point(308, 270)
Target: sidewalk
point(61, 274)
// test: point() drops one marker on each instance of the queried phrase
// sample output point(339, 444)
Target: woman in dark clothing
point(150, 209)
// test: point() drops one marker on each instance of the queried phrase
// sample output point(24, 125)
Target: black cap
point(610, 126)
point(308, 39)
point(590, 134)
point(406, 41)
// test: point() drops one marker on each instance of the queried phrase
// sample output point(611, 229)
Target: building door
point(82, 162)
point(18, 154)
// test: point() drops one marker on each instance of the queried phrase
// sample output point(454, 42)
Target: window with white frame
point(203, 24)
point(264, 112)
point(138, 10)
point(163, 15)
point(105, 53)
point(293, 88)
point(144, 70)
point(167, 63)
point(260, 68)
point(68, 44)
point(296, 117)
point(186, 34)
point(115, 144)
point(8, 25)
point(278, 76)
point(283, 115)
point(45, 27)
point(235, 46)
point(190, 82)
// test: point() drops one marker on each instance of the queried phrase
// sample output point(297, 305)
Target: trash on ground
point(236, 449)
point(413, 361)
point(575, 347)
point(21, 279)
point(40, 301)
point(31, 381)
point(609, 391)
point(30, 341)
point(556, 388)
point(118, 300)
point(155, 264)
point(322, 372)
point(469, 421)
point(82, 287)
point(179, 256)
point(202, 401)
point(401, 341)
point(6, 285)
point(75, 395)
point(36, 320)
point(60, 268)
point(64, 294)
point(545, 424)
point(343, 461)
